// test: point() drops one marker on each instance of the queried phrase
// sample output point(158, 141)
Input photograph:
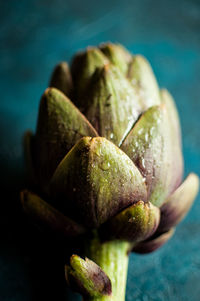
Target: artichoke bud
point(113, 161)
point(117, 55)
point(135, 223)
point(83, 67)
point(61, 78)
point(112, 106)
point(153, 243)
point(143, 80)
point(98, 179)
point(60, 125)
point(48, 217)
point(87, 278)
point(178, 203)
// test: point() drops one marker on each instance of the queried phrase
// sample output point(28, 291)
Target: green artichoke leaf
point(87, 278)
point(135, 223)
point(144, 82)
point(28, 154)
point(153, 243)
point(83, 67)
point(112, 104)
point(61, 79)
point(60, 125)
point(98, 179)
point(43, 214)
point(178, 203)
point(148, 147)
point(117, 55)
point(168, 100)
point(175, 139)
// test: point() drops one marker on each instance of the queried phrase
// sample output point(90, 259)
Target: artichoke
point(105, 166)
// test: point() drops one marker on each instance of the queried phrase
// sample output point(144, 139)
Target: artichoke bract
point(106, 165)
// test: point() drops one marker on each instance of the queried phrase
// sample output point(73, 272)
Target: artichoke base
point(112, 257)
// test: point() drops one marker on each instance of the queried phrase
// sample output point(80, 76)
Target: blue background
point(34, 36)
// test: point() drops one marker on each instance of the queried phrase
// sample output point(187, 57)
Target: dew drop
point(152, 130)
point(143, 163)
point(105, 166)
point(158, 121)
point(149, 100)
point(140, 131)
point(134, 81)
point(98, 151)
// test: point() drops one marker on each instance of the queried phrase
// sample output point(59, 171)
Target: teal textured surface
point(35, 36)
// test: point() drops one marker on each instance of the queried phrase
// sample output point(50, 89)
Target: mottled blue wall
point(34, 36)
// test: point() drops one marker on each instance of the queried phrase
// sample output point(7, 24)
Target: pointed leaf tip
point(87, 278)
point(83, 66)
point(61, 78)
point(112, 105)
point(117, 55)
point(143, 80)
point(179, 203)
point(174, 140)
point(147, 146)
point(153, 243)
point(60, 125)
point(46, 216)
point(135, 223)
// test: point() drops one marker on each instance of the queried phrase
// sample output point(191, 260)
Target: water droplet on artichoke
point(105, 166)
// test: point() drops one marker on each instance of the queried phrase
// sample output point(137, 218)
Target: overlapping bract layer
point(107, 150)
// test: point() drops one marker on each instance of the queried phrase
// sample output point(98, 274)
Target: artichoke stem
point(112, 257)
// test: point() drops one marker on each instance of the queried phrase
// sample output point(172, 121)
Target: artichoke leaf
point(147, 146)
point(135, 223)
point(174, 121)
point(179, 203)
point(112, 104)
point(144, 82)
point(43, 214)
point(117, 55)
point(83, 67)
point(153, 243)
point(87, 278)
point(61, 78)
point(60, 125)
point(98, 180)
point(173, 125)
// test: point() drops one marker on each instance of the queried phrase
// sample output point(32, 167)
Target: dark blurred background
point(36, 35)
